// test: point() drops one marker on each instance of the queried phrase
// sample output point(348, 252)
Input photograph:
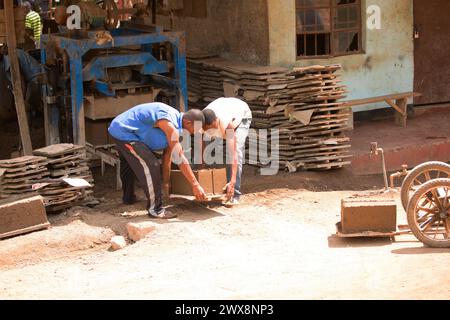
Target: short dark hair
point(210, 116)
point(194, 115)
point(27, 5)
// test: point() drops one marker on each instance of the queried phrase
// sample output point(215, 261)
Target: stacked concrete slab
point(302, 104)
point(65, 161)
point(18, 175)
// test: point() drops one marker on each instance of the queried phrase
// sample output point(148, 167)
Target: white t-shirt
point(228, 111)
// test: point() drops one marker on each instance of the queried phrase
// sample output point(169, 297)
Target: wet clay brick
point(219, 180)
point(368, 215)
point(181, 186)
point(22, 215)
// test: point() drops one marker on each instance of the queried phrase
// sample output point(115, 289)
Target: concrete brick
point(138, 231)
point(22, 215)
point(219, 180)
point(359, 215)
point(212, 181)
point(118, 243)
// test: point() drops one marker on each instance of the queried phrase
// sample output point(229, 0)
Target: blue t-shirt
point(138, 124)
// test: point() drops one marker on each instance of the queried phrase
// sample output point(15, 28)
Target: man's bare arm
point(175, 149)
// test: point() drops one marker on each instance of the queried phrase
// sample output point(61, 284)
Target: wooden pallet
point(304, 104)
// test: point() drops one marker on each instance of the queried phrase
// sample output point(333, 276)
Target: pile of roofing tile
point(18, 175)
point(205, 82)
point(67, 165)
point(303, 104)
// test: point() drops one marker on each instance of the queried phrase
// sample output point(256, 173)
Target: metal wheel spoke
point(428, 210)
point(436, 199)
point(423, 218)
point(446, 203)
point(447, 228)
point(437, 229)
point(424, 201)
point(427, 224)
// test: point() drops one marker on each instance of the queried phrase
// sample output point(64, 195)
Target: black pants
point(137, 160)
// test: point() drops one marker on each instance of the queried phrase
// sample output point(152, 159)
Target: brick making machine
point(106, 67)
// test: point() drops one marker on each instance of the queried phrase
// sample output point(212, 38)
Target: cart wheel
point(421, 174)
point(429, 213)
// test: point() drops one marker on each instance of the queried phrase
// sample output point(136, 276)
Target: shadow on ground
point(421, 250)
point(336, 242)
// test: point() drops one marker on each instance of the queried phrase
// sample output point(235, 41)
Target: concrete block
point(219, 180)
point(138, 231)
point(212, 181)
point(118, 243)
point(22, 215)
point(360, 215)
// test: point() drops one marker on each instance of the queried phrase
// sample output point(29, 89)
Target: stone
point(118, 243)
point(138, 231)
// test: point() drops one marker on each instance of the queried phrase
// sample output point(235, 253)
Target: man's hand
point(229, 188)
point(199, 193)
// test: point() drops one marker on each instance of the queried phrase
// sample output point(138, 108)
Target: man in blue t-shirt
point(140, 133)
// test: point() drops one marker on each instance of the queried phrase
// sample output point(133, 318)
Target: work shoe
point(232, 202)
point(166, 215)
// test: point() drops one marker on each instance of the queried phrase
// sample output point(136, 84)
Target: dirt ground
point(277, 244)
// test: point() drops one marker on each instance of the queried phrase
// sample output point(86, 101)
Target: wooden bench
point(398, 101)
point(108, 157)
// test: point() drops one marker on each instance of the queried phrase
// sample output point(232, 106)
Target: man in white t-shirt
point(230, 119)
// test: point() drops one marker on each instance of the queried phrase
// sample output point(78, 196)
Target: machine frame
point(129, 34)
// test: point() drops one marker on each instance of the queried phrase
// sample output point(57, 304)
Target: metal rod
point(386, 185)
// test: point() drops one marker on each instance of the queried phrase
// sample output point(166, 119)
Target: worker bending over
point(140, 134)
point(230, 119)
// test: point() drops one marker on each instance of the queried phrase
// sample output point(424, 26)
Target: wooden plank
point(395, 96)
point(16, 79)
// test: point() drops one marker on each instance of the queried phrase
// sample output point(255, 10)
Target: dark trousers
point(137, 160)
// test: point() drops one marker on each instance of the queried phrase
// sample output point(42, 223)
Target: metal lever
point(375, 150)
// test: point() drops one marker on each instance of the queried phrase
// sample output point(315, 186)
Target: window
point(327, 28)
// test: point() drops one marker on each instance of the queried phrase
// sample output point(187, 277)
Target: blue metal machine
point(116, 67)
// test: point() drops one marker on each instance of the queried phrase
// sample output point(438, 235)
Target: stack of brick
point(65, 161)
point(18, 175)
point(305, 109)
point(303, 104)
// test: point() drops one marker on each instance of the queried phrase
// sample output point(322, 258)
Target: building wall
point(386, 67)
point(236, 29)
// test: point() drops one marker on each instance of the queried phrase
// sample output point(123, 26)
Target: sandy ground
point(276, 245)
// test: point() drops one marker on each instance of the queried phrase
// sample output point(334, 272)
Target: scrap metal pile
point(303, 104)
point(59, 173)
